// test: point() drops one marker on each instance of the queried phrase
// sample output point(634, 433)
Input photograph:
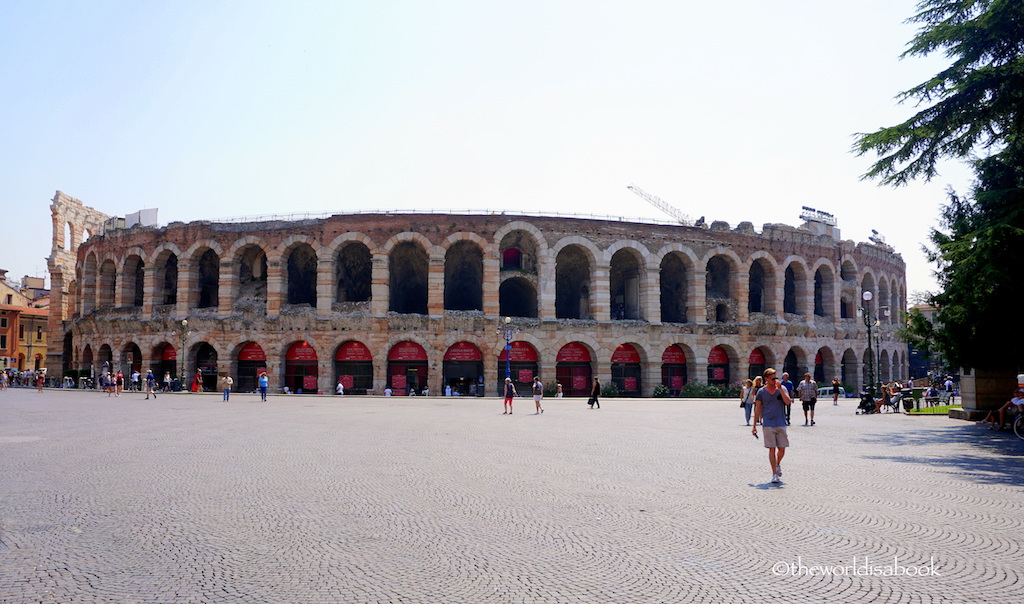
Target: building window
point(3, 341)
point(3, 323)
point(21, 332)
point(10, 299)
point(39, 333)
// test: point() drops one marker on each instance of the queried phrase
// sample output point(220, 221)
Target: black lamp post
point(508, 331)
point(181, 363)
point(869, 322)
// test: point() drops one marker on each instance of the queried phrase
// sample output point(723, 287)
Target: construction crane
point(657, 202)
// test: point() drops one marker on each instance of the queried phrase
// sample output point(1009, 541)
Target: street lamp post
point(869, 322)
point(181, 353)
point(508, 331)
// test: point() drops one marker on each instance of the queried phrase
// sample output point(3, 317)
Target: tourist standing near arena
point(770, 405)
point(510, 393)
point(538, 394)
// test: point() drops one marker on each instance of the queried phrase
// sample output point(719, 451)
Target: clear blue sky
point(743, 110)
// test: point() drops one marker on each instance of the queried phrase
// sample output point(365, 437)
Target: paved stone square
point(328, 499)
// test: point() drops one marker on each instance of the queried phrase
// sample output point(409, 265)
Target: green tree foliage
point(974, 107)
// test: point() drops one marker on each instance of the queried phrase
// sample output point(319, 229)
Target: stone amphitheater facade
point(414, 301)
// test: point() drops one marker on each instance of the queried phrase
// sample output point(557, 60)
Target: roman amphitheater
point(424, 300)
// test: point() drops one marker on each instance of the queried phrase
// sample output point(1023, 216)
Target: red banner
point(717, 356)
point(407, 351)
point(398, 381)
point(301, 351)
point(629, 383)
point(625, 353)
point(573, 352)
point(579, 382)
point(463, 351)
point(353, 351)
point(522, 352)
point(674, 355)
point(309, 382)
point(677, 382)
point(756, 357)
point(251, 352)
point(525, 375)
point(169, 353)
point(347, 381)
point(718, 373)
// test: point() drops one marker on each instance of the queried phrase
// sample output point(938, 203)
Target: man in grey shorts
point(770, 405)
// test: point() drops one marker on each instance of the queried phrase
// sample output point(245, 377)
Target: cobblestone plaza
point(327, 499)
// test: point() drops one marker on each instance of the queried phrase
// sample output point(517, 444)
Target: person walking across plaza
point(225, 385)
point(835, 391)
point(770, 405)
point(510, 393)
point(167, 381)
point(538, 394)
point(808, 393)
point(788, 385)
point(264, 385)
point(150, 385)
point(747, 399)
point(595, 392)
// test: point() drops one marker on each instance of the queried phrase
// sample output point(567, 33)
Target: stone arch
point(884, 299)
point(824, 288)
point(523, 243)
point(762, 273)
point(89, 280)
point(627, 272)
point(300, 257)
point(252, 272)
point(204, 276)
point(408, 269)
point(848, 269)
point(675, 280)
point(164, 260)
point(133, 278)
point(517, 297)
point(107, 283)
point(574, 267)
point(794, 286)
point(464, 274)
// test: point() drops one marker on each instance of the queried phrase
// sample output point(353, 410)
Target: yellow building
point(24, 319)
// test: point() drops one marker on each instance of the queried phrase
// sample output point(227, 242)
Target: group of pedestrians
point(510, 393)
point(768, 401)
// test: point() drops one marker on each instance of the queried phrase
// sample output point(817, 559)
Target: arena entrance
point(521, 366)
point(463, 370)
point(251, 362)
point(626, 370)
point(573, 370)
point(407, 368)
point(673, 369)
point(353, 367)
point(300, 368)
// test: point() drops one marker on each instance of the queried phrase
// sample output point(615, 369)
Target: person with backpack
point(150, 385)
point(510, 393)
point(538, 394)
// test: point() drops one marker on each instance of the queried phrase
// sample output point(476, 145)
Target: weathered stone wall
point(251, 306)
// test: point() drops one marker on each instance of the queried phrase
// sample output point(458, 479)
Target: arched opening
point(68, 352)
point(108, 284)
point(463, 277)
point(756, 363)
point(573, 370)
point(517, 297)
point(353, 273)
point(627, 370)
point(252, 276)
point(572, 284)
point(518, 251)
point(209, 279)
point(463, 370)
point(521, 365)
point(848, 369)
point(165, 365)
point(718, 367)
point(134, 281)
point(791, 365)
point(624, 281)
point(206, 368)
point(302, 275)
point(408, 274)
point(300, 368)
point(89, 282)
point(106, 359)
point(717, 284)
point(87, 361)
point(252, 361)
point(674, 299)
point(847, 272)
point(756, 287)
point(789, 296)
point(884, 367)
point(130, 361)
point(407, 368)
point(824, 292)
point(721, 313)
point(673, 369)
point(67, 236)
point(167, 278)
point(353, 367)
point(823, 363)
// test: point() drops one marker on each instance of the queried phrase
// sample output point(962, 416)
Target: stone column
point(546, 287)
point(227, 289)
point(491, 285)
point(651, 375)
point(741, 292)
point(149, 291)
point(186, 293)
point(380, 288)
point(650, 296)
point(324, 288)
point(699, 372)
point(600, 294)
point(275, 288)
point(696, 300)
point(490, 374)
point(435, 286)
